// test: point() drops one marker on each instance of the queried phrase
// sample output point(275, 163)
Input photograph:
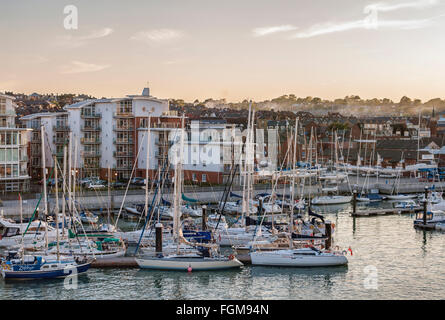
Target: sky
point(232, 49)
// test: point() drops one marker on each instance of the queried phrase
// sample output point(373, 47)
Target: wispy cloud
point(71, 41)
point(385, 7)
point(81, 67)
point(372, 20)
point(259, 32)
point(157, 35)
point(327, 28)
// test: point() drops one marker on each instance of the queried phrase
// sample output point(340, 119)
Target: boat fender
point(231, 257)
point(189, 269)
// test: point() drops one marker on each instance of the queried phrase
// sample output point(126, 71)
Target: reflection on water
point(408, 263)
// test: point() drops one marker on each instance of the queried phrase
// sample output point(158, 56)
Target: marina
point(236, 151)
point(406, 260)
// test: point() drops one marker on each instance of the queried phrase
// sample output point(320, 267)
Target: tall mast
point(56, 211)
point(21, 221)
point(64, 191)
point(293, 182)
point(177, 199)
point(70, 157)
point(418, 139)
point(147, 161)
point(109, 195)
point(75, 174)
point(45, 199)
point(245, 204)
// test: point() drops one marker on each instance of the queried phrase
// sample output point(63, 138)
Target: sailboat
point(185, 261)
point(297, 257)
point(24, 267)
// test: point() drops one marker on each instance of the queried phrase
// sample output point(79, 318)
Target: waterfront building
point(13, 149)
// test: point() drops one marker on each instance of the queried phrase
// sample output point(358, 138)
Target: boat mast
point(45, 199)
point(146, 166)
point(245, 204)
point(109, 195)
point(74, 174)
point(177, 200)
point(293, 182)
point(64, 191)
point(70, 203)
point(21, 222)
point(56, 211)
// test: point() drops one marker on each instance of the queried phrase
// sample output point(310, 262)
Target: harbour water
point(391, 260)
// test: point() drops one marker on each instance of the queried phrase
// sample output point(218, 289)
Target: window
point(194, 177)
point(204, 178)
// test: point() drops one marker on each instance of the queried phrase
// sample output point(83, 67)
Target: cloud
point(79, 41)
point(157, 35)
point(384, 7)
point(81, 67)
point(327, 28)
point(259, 32)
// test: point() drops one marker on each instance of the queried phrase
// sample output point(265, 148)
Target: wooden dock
point(384, 212)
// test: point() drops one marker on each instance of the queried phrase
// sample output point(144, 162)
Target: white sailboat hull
point(401, 196)
point(287, 258)
point(331, 199)
point(183, 264)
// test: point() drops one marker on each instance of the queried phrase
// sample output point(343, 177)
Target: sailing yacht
point(297, 257)
point(182, 260)
point(303, 257)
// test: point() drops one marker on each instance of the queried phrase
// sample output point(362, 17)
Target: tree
point(405, 101)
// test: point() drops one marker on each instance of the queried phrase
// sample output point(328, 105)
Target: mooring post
point(158, 238)
point(425, 205)
point(354, 201)
point(204, 218)
point(328, 233)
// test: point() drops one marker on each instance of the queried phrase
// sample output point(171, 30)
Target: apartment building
point(13, 149)
point(56, 132)
point(110, 135)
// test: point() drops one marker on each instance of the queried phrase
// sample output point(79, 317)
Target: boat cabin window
point(306, 253)
point(429, 216)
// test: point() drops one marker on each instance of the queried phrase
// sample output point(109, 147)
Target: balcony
point(124, 167)
point(59, 127)
point(123, 141)
point(90, 141)
point(96, 115)
point(120, 154)
point(129, 128)
point(60, 140)
point(87, 166)
point(90, 128)
point(90, 154)
point(123, 115)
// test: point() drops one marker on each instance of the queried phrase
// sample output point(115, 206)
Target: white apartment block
point(110, 135)
point(13, 149)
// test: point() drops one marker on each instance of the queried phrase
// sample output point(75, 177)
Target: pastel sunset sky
point(233, 49)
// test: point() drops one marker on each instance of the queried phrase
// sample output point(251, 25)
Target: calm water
point(409, 265)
